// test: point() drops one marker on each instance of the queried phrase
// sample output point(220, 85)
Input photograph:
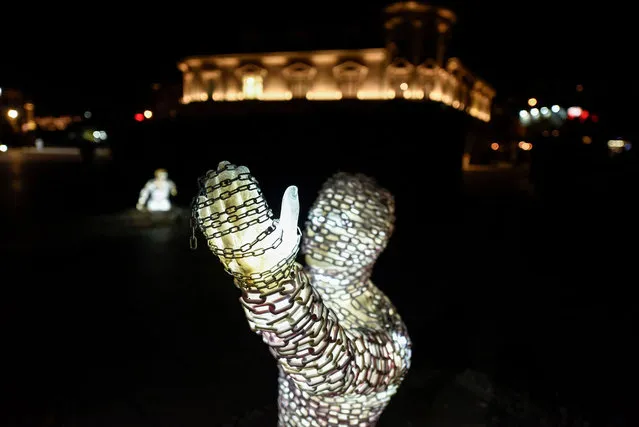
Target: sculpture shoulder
point(395, 326)
point(384, 306)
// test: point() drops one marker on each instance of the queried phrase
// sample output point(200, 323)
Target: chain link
point(193, 225)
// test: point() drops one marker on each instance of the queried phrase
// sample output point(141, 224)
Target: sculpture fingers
point(223, 164)
point(232, 212)
point(289, 216)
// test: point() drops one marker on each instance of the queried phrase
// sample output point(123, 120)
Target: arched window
point(300, 78)
point(349, 76)
point(252, 78)
point(400, 76)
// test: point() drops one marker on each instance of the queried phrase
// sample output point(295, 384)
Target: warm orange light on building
point(365, 74)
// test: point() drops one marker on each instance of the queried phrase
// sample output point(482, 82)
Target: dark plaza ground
point(110, 319)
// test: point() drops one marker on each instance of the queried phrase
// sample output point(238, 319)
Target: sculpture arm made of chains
point(280, 303)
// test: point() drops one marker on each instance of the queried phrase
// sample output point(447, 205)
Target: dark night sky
point(102, 55)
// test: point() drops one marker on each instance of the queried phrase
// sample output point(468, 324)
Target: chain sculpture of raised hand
point(341, 347)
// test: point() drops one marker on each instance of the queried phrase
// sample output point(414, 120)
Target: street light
point(12, 114)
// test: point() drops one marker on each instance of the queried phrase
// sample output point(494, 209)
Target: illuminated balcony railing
point(363, 95)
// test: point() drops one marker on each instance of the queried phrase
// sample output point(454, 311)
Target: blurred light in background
point(574, 112)
point(619, 145)
point(526, 146)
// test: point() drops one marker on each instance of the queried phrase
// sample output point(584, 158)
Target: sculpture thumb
point(289, 216)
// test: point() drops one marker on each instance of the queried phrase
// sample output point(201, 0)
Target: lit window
point(252, 87)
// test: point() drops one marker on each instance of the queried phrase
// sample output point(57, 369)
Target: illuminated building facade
point(413, 65)
point(51, 123)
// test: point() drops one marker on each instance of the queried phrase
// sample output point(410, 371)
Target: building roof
point(276, 57)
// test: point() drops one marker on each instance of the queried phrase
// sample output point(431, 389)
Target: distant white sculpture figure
point(156, 194)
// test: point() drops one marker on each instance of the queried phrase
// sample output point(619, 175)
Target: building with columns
point(413, 65)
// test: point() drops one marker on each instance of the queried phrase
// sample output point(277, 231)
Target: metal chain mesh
point(341, 346)
point(253, 211)
point(350, 222)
